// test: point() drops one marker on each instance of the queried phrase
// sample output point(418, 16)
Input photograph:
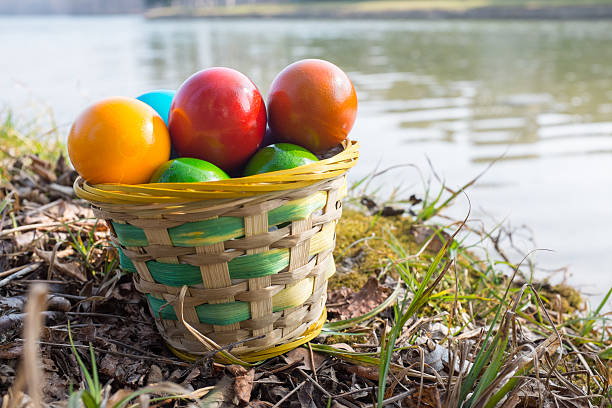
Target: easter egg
point(118, 140)
point(279, 156)
point(312, 103)
point(159, 100)
point(218, 115)
point(187, 170)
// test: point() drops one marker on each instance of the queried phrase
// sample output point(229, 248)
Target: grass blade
point(420, 298)
point(589, 324)
point(93, 386)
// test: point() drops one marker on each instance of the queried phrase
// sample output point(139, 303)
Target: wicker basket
point(241, 262)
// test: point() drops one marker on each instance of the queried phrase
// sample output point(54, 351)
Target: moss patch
point(569, 297)
point(364, 246)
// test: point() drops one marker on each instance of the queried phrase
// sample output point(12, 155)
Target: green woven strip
point(258, 265)
point(297, 209)
point(126, 263)
point(129, 235)
point(206, 232)
point(243, 267)
point(220, 229)
point(220, 314)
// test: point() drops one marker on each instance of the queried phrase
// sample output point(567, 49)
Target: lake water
point(459, 93)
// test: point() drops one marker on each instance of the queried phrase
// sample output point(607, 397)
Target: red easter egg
point(218, 115)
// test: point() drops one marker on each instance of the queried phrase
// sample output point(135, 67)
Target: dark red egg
point(218, 115)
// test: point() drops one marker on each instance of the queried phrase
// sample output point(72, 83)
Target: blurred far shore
point(375, 9)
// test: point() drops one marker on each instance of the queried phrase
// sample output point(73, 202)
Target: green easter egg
point(279, 156)
point(187, 170)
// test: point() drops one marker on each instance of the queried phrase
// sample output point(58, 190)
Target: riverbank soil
point(414, 318)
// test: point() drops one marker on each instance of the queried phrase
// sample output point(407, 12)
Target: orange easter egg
point(118, 140)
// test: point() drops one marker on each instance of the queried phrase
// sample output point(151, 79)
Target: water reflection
point(488, 83)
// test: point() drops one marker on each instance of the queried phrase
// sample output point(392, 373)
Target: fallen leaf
point(243, 383)
point(64, 253)
point(421, 234)
point(432, 354)
point(339, 297)
point(48, 364)
point(72, 269)
point(371, 373)
point(389, 211)
point(193, 374)
point(118, 396)
point(369, 203)
point(369, 296)
point(109, 365)
point(430, 398)
point(278, 392)
point(305, 396)
point(155, 375)
point(69, 211)
point(26, 239)
point(303, 354)
point(221, 395)
point(55, 386)
point(175, 375)
point(236, 370)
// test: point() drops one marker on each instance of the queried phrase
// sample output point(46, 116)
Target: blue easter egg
point(159, 100)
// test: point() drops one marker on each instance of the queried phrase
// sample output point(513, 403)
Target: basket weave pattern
point(234, 269)
point(308, 266)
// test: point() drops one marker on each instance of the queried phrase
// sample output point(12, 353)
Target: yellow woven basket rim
point(282, 180)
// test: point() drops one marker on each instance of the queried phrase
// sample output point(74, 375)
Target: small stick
point(63, 190)
point(398, 397)
point(31, 227)
point(116, 353)
point(12, 270)
point(312, 362)
point(44, 225)
point(56, 282)
point(52, 260)
point(344, 394)
point(286, 367)
point(316, 384)
point(19, 274)
point(32, 212)
point(109, 316)
point(128, 346)
point(288, 395)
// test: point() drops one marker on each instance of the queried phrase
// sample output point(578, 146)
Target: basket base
point(260, 355)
